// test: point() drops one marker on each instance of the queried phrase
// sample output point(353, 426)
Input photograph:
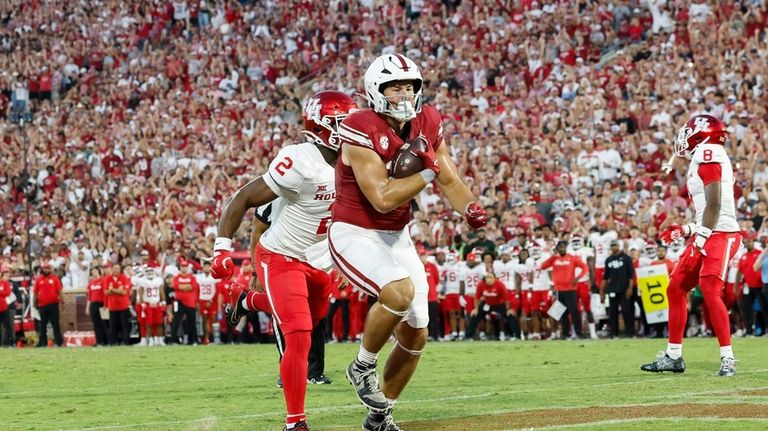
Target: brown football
point(406, 162)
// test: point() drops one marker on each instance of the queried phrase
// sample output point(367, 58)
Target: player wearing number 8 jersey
point(289, 266)
point(705, 261)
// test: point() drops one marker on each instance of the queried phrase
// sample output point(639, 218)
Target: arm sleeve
point(284, 175)
point(710, 172)
point(352, 131)
point(547, 263)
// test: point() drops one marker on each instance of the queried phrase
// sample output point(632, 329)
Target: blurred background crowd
point(141, 117)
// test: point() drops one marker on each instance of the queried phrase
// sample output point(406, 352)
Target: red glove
point(674, 232)
point(428, 157)
point(475, 215)
point(222, 266)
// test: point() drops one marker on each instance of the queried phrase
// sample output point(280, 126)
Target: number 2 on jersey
point(284, 165)
point(322, 228)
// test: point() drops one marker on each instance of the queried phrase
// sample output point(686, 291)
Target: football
point(406, 162)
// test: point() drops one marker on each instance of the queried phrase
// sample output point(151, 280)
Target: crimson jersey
point(366, 128)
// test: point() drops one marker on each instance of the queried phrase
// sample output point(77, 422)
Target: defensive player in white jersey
point(524, 271)
point(208, 299)
point(601, 242)
point(452, 304)
point(472, 273)
point(292, 253)
point(705, 261)
point(151, 296)
point(584, 284)
point(540, 297)
point(505, 270)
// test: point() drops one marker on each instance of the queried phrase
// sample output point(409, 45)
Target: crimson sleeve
point(547, 263)
point(176, 283)
point(710, 172)
point(480, 290)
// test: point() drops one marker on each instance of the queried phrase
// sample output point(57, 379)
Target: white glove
point(462, 301)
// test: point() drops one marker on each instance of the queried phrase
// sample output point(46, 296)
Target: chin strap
point(667, 168)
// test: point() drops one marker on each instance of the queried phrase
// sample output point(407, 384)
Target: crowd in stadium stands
point(139, 117)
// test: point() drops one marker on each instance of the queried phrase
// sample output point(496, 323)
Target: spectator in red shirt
point(95, 301)
point(564, 278)
point(117, 293)
point(490, 297)
point(433, 278)
point(185, 290)
point(47, 291)
point(753, 280)
point(6, 334)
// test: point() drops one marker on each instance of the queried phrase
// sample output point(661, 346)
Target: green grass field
point(586, 385)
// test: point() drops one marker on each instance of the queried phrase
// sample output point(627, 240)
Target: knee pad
point(395, 312)
point(407, 350)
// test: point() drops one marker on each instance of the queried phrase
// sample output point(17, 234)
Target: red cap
point(246, 262)
point(4, 268)
point(183, 262)
point(471, 256)
point(45, 265)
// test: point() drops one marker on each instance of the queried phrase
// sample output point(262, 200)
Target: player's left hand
point(428, 157)
point(475, 215)
point(699, 242)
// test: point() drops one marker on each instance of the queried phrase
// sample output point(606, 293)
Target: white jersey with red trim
point(472, 277)
point(150, 289)
point(713, 153)
point(541, 279)
point(505, 271)
point(583, 253)
point(526, 271)
point(602, 244)
point(452, 277)
point(207, 286)
point(306, 183)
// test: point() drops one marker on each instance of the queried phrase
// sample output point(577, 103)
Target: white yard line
point(590, 425)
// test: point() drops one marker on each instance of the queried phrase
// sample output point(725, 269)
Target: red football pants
point(298, 296)
point(708, 271)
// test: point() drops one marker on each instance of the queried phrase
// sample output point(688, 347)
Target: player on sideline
point(368, 242)
point(303, 175)
point(705, 261)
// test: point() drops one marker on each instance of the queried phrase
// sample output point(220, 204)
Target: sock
point(391, 402)
point(674, 351)
point(365, 357)
point(726, 352)
point(678, 309)
point(711, 288)
point(592, 332)
point(293, 371)
point(257, 301)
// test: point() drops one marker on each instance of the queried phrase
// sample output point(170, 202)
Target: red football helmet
point(322, 114)
point(700, 129)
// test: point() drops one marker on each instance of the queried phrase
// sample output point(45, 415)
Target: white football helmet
point(388, 68)
point(577, 243)
point(650, 250)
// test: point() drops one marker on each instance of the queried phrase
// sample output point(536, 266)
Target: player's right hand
point(428, 157)
point(222, 266)
point(672, 233)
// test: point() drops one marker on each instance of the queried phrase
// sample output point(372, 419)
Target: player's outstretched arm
point(251, 195)
point(254, 194)
point(384, 193)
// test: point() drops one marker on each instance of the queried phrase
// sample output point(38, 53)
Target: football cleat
point(664, 363)
point(279, 382)
point(366, 383)
point(373, 423)
point(319, 380)
point(299, 426)
point(236, 311)
point(727, 367)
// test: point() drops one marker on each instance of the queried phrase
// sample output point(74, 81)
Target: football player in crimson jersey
point(716, 235)
point(298, 290)
point(368, 242)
